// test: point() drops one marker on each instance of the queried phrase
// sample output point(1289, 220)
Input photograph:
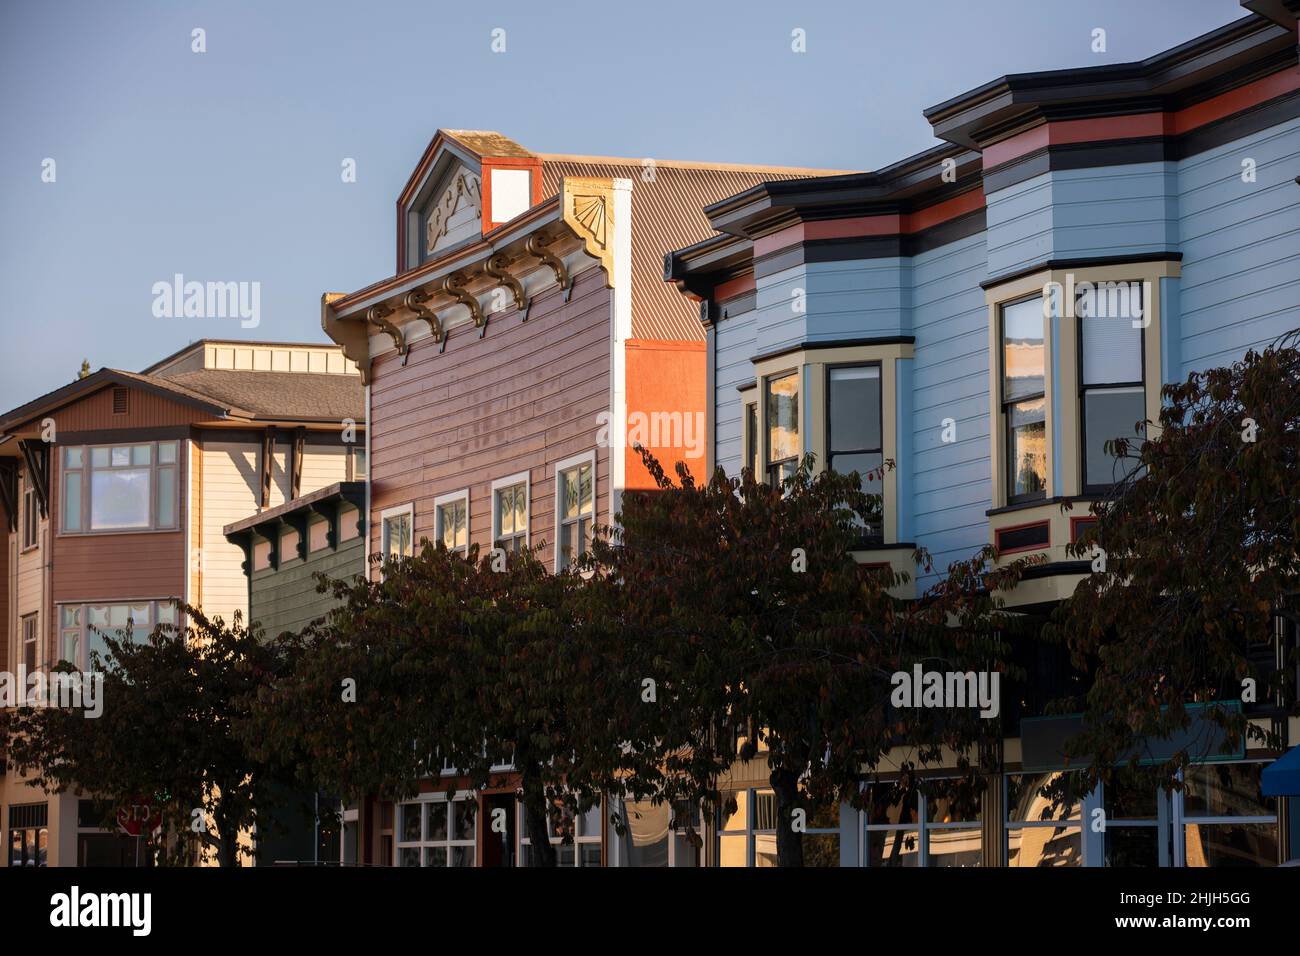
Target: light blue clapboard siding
point(951, 482)
point(735, 348)
point(777, 323)
point(1240, 285)
point(868, 298)
point(1083, 214)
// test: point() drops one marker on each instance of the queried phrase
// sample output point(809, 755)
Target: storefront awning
point(1282, 777)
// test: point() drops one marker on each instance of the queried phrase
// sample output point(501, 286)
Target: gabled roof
point(220, 394)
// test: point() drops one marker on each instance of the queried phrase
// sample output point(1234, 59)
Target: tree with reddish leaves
point(753, 634)
point(450, 661)
point(1199, 547)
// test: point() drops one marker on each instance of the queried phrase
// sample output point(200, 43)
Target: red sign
point(138, 818)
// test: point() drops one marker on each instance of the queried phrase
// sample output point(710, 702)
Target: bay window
point(1024, 399)
point(781, 406)
point(1112, 394)
point(113, 488)
point(854, 429)
point(82, 628)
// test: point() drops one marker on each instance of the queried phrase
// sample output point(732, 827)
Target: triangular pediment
point(453, 210)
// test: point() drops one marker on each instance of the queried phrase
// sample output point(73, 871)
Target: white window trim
point(522, 478)
point(450, 498)
point(424, 841)
point(585, 458)
point(407, 509)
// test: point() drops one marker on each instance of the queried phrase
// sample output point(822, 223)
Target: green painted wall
point(286, 599)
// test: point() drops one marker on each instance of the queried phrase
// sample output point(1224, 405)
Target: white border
point(522, 478)
point(406, 509)
point(585, 458)
point(439, 501)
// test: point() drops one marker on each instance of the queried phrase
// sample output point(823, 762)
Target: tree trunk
point(536, 825)
point(789, 842)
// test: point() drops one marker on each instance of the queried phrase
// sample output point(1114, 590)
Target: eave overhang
point(1235, 54)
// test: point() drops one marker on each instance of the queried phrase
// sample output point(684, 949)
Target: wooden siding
point(231, 491)
point(524, 397)
point(1240, 285)
point(145, 410)
point(951, 483)
point(286, 599)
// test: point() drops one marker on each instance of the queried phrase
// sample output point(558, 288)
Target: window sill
point(109, 534)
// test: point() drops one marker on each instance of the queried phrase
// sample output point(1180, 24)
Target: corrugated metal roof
point(667, 214)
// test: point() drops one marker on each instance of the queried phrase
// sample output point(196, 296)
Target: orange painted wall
point(665, 387)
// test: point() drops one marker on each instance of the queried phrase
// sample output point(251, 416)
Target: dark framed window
point(1024, 401)
point(113, 488)
point(31, 516)
point(855, 426)
point(1112, 385)
point(781, 418)
point(751, 437)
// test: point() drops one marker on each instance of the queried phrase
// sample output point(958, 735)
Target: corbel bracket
point(454, 286)
point(377, 315)
point(37, 456)
point(535, 248)
point(417, 303)
point(496, 268)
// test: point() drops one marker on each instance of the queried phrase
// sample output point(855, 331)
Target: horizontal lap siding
point(523, 397)
point(1240, 285)
point(951, 481)
point(287, 600)
point(734, 347)
point(231, 491)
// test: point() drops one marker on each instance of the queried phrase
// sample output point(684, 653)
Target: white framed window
point(747, 831)
point(31, 642)
point(582, 832)
point(451, 520)
point(658, 835)
point(1112, 382)
point(437, 831)
point(1040, 830)
point(908, 827)
point(575, 507)
point(397, 529)
point(82, 626)
point(358, 464)
point(510, 512)
point(781, 419)
point(115, 488)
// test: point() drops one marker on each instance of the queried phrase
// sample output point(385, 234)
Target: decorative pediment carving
point(588, 208)
point(463, 189)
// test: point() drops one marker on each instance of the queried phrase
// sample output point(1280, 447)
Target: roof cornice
point(1223, 59)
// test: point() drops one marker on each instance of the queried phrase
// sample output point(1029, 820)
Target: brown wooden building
point(114, 492)
point(526, 342)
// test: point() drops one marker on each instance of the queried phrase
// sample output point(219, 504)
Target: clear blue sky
point(226, 165)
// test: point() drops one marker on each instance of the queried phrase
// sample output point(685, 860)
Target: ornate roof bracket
point(536, 249)
point(377, 315)
point(496, 268)
point(415, 301)
point(454, 286)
